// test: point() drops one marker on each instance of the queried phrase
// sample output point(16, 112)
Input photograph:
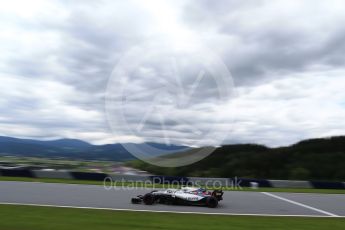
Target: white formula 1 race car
point(183, 196)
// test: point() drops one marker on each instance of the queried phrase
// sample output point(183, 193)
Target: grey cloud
point(90, 39)
point(292, 41)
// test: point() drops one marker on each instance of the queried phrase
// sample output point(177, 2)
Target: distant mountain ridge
point(74, 149)
point(65, 142)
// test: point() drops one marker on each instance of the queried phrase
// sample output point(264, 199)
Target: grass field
point(13, 217)
point(69, 181)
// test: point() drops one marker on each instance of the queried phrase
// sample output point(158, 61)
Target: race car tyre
point(211, 202)
point(148, 199)
point(218, 194)
point(136, 200)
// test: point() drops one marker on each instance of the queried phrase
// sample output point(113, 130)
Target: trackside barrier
point(211, 181)
point(245, 182)
point(16, 172)
point(52, 174)
point(229, 182)
point(290, 184)
point(169, 180)
point(129, 178)
point(327, 185)
point(89, 176)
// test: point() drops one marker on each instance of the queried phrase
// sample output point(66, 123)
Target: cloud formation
point(286, 60)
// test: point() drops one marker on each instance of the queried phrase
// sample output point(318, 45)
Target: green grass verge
point(70, 181)
point(41, 218)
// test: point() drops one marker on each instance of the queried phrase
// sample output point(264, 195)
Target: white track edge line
point(300, 204)
point(161, 211)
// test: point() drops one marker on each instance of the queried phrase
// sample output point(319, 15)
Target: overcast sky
point(286, 59)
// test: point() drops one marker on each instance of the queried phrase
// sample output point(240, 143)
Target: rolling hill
point(317, 159)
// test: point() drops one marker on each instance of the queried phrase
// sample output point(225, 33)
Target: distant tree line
point(314, 159)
